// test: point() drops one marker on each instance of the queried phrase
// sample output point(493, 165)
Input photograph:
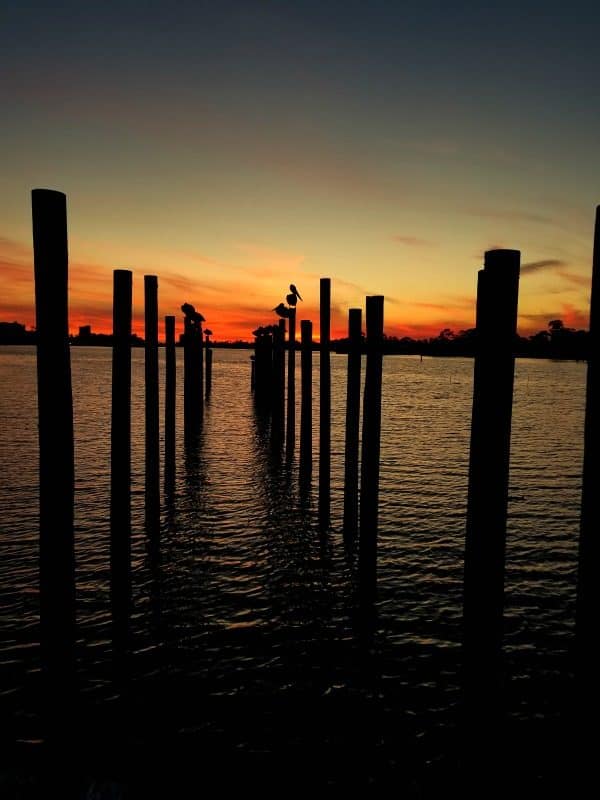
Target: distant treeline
point(557, 341)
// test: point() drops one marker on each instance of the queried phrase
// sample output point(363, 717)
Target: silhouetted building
point(15, 333)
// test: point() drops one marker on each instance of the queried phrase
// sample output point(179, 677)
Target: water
point(247, 636)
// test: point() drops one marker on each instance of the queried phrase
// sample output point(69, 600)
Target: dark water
point(252, 661)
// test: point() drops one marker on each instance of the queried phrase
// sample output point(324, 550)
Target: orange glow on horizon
point(239, 299)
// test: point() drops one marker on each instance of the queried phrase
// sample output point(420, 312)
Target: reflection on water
point(247, 637)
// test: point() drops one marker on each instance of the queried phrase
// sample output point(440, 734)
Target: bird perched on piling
point(293, 297)
point(282, 310)
point(190, 312)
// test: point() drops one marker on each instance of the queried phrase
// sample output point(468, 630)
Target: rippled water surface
point(249, 610)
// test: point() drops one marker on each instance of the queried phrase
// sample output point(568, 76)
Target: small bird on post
point(195, 317)
point(189, 310)
point(282, 310)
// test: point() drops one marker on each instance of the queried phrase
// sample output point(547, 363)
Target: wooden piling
point(170, 403)
point(487, 503)
point(325, 405)
point(192, 378)
point(263, 360)
point(371, 441)
point(120, 451)
point(305, 470)
point(352, 423)
point(188, 383)
point(281, 370)
point(200, 369)
point(152, 488)
point(588, 591)
point(278, 386)
point(209, 360)
point(55, 427)
point(290, 433)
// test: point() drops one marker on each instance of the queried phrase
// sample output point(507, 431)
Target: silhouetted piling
point(352, 423)
point(188, 383)
point(263, 368)
point(496, 325)
point(120, 452)
point(290, 433)
point(152, 496)
point(200, 368)
point(55, 427)
point(209, 360)
point(278, 386)
point(170, 400)
point(371, 441)
point(192, 377)
point(325, 405)
point(588, 587)
point(252, 373)
point(306, 403)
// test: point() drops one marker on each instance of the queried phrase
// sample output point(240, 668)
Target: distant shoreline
point(334, 349)
point(557, 342)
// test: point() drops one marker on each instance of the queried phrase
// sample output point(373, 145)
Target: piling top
point(47, 193)
point(501, 259)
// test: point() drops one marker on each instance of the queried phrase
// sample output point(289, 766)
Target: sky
point(234, 147)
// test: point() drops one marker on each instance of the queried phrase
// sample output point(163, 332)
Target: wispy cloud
point(453, 304)
point(13, 248)
point(578, 280)
point(544, 264)
point(510, 216)
point(411, 241)
point(571, 315)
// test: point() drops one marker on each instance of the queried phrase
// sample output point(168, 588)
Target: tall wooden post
point(152, 404)
point(120, 452)
point(352, 423)
point(371, 442)
point(263, 360)
point(497, 297)
point(170, 403)
point(278, 386)
point(188, 380)
point(281, 372)
point(290, 434)
point(588, 591)
point(209, 360)
point(306, 403)
point(55, 427)
point(325, 405)
point(193, 403)
point(200, 368)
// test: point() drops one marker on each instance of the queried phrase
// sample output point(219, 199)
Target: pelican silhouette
point(189, 310)
point(282, 310)
point(295, 291)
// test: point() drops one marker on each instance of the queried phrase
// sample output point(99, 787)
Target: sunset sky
point(234, 147)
